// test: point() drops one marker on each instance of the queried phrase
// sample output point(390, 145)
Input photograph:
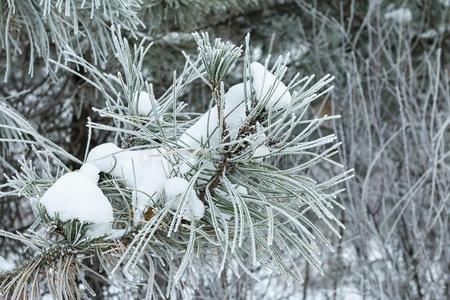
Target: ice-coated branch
point(184, 185)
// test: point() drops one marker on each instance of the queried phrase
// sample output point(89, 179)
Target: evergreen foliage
point(277, 212)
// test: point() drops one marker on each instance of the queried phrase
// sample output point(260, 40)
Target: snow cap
point(144, 106)
point(143, 171)
point(76, 195)
point(400, 15)
point(268, 86)
point(234, 110)
point(102, 156)
point(206, 128)
point(175, 188)
point(90, 171)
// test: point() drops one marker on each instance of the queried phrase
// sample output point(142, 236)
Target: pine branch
point(256, 211)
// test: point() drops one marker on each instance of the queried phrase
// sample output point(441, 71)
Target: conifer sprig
point(256, 211)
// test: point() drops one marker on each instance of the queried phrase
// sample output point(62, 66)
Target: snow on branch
point(175, 186)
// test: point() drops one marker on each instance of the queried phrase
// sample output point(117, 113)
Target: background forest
point(391, 65)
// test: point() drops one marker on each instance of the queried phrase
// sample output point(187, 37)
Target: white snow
point(269, 88)
point(103, 156)
point(259, 139)
point(175, 188)
point(433, 33)
point(261, 152)
point(104, 230)
point(5, 266)
point(90, 171)
point(400, 15)
point(76, 195)
point(98, 230)
point(144, 104)
point(242, 190)
point(446, 3)
point(143, 171)
point(206, 128)
point(189, 161)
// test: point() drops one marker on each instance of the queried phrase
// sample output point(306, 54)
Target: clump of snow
point(143, 171)
point(206, 128)
point(433, 33)
point(5, 266)
point(103, 156)
point(234, 109)
point(261, 152)
point(104, 230)
point(400, 15)
point(189, 161)
point(76, 196)
point(269, 88)
point(99, 230)
point(144, 104)
point(90, 171)
point(175, 189)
